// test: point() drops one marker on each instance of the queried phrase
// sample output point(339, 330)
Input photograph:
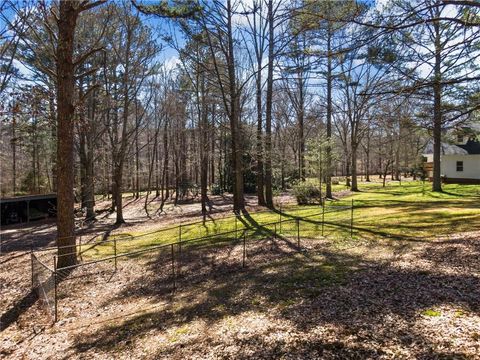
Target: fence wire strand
point(44, 284)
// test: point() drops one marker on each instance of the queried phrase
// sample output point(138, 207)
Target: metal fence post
point(80, 247)
point(173, 270)
point(244, 249)
point(351, 221)
point(31, 261)
point(298, 232)
point(179, 244)
point(280, 230)
point(323, 217)
point(236, 217)
point(115, 252)
point(275, 230)
point(179, 258)
point(55, 288)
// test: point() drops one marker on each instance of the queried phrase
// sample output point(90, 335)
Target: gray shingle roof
point(446, 149)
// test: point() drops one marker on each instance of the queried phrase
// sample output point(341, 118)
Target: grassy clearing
point(403, 211)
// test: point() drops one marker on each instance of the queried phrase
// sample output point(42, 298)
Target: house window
point(460, 138)
point(459, 165)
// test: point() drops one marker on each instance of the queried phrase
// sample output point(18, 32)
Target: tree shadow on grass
point(428, 217)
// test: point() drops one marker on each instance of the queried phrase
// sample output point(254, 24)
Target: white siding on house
point(471, 166)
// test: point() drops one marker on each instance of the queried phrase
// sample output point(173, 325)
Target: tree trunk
point(14, 152)
point(301, 136)
point(234, 96)
point(437, 114)
point(117, 194)
point(137, 161)
point(259, 165)
point(203, 150)
point(354, 185)
point(328, 172)
point(65, 115)
point(268, 109)
point(212, 138)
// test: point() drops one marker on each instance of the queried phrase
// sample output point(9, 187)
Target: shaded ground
point(394, 299)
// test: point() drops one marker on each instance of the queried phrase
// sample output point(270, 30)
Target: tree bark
point(328, 172)
point(268, 110)
point(354, 186)
point(203, 149)
point(437, 114)
point(234, 96)
point(65, 115)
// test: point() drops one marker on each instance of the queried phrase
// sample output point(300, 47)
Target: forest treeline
point(255, 96)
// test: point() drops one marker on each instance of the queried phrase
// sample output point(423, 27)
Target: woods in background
point(262, 94)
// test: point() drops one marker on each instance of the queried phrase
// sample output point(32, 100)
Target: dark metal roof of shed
point(28, 198)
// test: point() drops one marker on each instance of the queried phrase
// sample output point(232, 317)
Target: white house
point(459, 162)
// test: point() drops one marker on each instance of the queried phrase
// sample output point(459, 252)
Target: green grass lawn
point(406, 211)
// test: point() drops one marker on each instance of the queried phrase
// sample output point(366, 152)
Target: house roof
point(445, 149)
point(474, 126)
point(472, 147)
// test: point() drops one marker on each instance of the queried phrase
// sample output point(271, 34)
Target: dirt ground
point(406, 301)
point(349, 300)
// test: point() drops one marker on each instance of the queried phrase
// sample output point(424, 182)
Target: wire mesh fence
point(187, 260)
point(44, 283)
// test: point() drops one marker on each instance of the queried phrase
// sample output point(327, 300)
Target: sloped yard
point(405, 290)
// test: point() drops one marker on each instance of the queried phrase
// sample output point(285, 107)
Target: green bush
point(306, 193)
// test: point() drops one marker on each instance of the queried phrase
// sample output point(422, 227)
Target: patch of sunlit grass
point(399, 211)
